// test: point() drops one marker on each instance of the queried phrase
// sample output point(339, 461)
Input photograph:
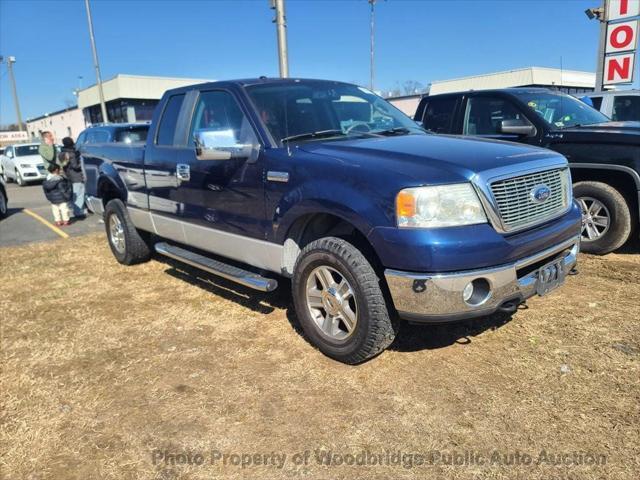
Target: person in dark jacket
point(58, 191)
point(70, 159)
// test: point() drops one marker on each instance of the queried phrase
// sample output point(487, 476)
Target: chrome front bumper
point(424, 297)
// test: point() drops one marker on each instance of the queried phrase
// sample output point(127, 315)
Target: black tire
point(620, 222)
point(374, 328)
point(3, 204)
point(136, 243)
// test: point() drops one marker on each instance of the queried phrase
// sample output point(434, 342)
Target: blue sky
point(417, 40)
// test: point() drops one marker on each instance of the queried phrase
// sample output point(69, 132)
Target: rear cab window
point(132, 135)
point(169, 121)
point(438, 114)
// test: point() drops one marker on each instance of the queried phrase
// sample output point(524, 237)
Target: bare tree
point(412, 87)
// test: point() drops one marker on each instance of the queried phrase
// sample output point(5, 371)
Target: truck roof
point(511, 90)
point(244, 82)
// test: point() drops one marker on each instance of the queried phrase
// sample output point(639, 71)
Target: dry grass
point(103, 364)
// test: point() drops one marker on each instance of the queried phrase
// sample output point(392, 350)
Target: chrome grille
point(517, 208)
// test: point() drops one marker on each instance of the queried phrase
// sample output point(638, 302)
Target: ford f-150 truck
point(373, 219)
point(604, 156)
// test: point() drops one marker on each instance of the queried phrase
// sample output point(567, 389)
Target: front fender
point(361, 209)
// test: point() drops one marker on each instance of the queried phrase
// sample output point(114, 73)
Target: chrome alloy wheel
point(332, 303)
point(595, 218)
point(116, 233)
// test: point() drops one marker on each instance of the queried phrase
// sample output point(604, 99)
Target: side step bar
point(235, 274)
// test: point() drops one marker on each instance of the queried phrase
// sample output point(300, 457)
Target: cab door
point(224, 190)
point(497, 117)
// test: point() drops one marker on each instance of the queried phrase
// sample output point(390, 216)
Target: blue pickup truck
point(373, 219)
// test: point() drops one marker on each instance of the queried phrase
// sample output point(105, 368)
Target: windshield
point(561, 110)
point(25, 150)
point(312, 110)
point(132, 135)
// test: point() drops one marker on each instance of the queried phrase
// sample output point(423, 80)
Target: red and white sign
point(622, 37)
point(620, 9)
point(619, 68)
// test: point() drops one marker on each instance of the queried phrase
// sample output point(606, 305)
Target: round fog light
point(476, 292)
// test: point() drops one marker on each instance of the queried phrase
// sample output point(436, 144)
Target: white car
point(22, 164)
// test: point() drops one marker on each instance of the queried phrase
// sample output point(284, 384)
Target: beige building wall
point(407, 105)
point(133, 86)
point(65, 123)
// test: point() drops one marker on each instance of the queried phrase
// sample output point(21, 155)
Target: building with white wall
point(63, 123)
point(128, 98)
point(569, 81)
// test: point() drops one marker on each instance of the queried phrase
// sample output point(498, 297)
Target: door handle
point(183, 172)
point(273, 176)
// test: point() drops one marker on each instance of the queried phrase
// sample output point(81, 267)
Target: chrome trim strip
point(273, 176)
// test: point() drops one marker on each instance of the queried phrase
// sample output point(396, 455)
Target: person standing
point(47, 149)
point(58, 191)
point(69, 158)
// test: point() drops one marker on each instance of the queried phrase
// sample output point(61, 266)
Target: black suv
point(604, 156)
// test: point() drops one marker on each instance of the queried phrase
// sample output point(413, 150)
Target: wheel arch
point(310, 226)
point(622, 178)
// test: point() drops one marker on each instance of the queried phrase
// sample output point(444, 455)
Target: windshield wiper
point(318, 134)
point(395, 131)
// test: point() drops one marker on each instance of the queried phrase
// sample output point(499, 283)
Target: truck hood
point(435, 159)
point(627, 133)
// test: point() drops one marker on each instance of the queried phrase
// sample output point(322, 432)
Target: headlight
point(439, 206)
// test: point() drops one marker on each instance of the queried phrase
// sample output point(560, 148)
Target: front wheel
point(606, 217)
point(19, 180)
point(339, 301)
point(128, 245)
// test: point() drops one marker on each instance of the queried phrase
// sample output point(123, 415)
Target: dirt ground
point(159, 372)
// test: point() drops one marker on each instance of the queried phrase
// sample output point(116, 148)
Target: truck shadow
point(410, 337)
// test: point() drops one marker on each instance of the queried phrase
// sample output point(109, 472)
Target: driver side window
point(484, 115)
point(219, 123)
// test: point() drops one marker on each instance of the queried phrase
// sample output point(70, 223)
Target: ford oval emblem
point(540, 194)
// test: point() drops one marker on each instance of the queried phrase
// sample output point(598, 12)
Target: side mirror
point(219, 145)
point(518, 127)
point(9, 154)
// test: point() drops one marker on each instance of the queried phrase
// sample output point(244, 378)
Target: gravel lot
point(161, 372)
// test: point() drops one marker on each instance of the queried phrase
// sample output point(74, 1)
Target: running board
point(235, 274)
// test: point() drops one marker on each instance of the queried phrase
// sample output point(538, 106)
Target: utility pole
point(10, 62)
point(96, 64)
point(372, 46)
point(281, 27)
point(600, 14)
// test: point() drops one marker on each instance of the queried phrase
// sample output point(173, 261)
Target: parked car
point(604, 156)
point(4, 199)
point(23, 164)
point(618, 105)
point(126, 133)
point(328, 184)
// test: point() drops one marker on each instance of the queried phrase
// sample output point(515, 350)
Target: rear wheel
point(128, 245)
point(339, 301)
point(5, 177)
point(3, 204)
point(606, 217)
